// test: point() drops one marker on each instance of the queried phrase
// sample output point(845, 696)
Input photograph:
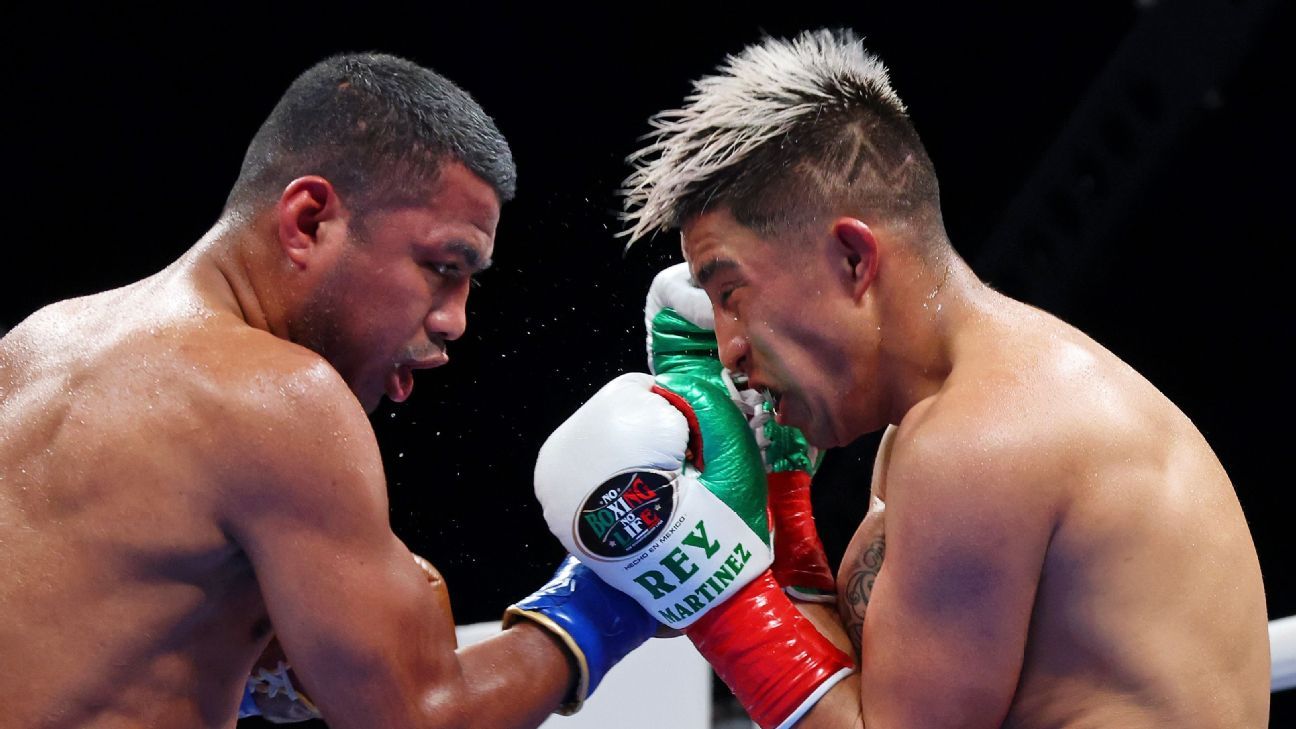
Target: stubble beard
point(318, 328)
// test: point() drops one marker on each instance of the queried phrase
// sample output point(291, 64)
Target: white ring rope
point(1282, 652)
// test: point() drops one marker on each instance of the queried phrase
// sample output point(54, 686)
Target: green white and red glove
point(681, 338)
point(657, 485)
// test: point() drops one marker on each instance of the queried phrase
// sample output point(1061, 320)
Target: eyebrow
point(712, 267)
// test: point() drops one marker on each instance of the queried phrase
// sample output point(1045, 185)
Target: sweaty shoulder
point(1014, 419)
point(968, 450)
point(1040, 384)
point(283, 419)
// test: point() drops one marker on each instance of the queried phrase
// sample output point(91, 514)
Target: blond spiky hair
point(759, 95)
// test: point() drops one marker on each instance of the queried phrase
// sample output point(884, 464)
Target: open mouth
point(775, 400)
point(771, 396)
point(399, 383)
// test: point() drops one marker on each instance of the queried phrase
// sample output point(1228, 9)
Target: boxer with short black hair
point(187, 469)
point(1061, 547)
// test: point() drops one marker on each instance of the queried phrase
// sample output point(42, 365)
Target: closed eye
point(726, 295)
point(454, 272)
point(449, 270)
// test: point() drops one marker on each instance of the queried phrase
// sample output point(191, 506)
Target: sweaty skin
point(1061, 546)
point(177, 477)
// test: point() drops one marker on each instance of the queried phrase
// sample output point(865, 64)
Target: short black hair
point(378, 128)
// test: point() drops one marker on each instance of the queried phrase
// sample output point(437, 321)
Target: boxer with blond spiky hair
point(1060, 546)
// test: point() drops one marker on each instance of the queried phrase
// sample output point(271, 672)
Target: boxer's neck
point(243, 264)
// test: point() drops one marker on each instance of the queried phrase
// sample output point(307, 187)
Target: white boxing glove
point(619, 491)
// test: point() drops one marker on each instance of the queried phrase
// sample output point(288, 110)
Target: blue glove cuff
point(598, 624)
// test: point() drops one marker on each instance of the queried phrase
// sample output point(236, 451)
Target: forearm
point(842, 706)
point(385, 655)
point(828, 622)
point(514, 679)
point(839, 708)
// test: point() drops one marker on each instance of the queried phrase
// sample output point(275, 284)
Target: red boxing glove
point(800, 563)
point(774, 660)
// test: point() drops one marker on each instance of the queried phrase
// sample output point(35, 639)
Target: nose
point(449, 316)
point(731, 338)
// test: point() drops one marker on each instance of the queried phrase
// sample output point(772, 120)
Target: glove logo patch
point(625, 513)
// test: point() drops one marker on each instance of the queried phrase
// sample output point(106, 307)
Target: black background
point(124, 131)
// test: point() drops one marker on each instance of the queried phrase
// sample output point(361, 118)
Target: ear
point(305, 206)
point(858, 248)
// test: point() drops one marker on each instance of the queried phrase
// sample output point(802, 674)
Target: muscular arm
point(945, 629)
point(370, 638)
point(863, 560)
point(858, 575)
